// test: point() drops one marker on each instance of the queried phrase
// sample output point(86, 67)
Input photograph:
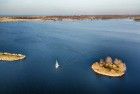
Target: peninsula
point(109, 67)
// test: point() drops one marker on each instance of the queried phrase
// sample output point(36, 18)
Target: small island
point(108, 67)
point(11, 57)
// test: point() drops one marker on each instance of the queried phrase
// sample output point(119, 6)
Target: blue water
point(76, 45)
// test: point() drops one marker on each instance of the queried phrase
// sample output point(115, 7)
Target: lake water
point(76, 45)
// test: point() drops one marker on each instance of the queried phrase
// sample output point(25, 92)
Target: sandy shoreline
point(5, 19)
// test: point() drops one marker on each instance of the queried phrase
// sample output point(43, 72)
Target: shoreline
point(6, 19)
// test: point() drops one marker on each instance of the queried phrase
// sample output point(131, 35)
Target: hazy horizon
point(73, 7)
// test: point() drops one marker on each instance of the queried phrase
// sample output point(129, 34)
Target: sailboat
point(56, 64)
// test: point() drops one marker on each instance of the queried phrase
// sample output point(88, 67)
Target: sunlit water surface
point(76, 45)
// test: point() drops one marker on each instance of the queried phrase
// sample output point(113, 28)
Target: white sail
point(56, 64)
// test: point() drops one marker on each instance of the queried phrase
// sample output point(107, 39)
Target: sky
point(69, 7)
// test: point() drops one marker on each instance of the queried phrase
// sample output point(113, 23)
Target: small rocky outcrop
point(109, 67)
point(11, 57)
